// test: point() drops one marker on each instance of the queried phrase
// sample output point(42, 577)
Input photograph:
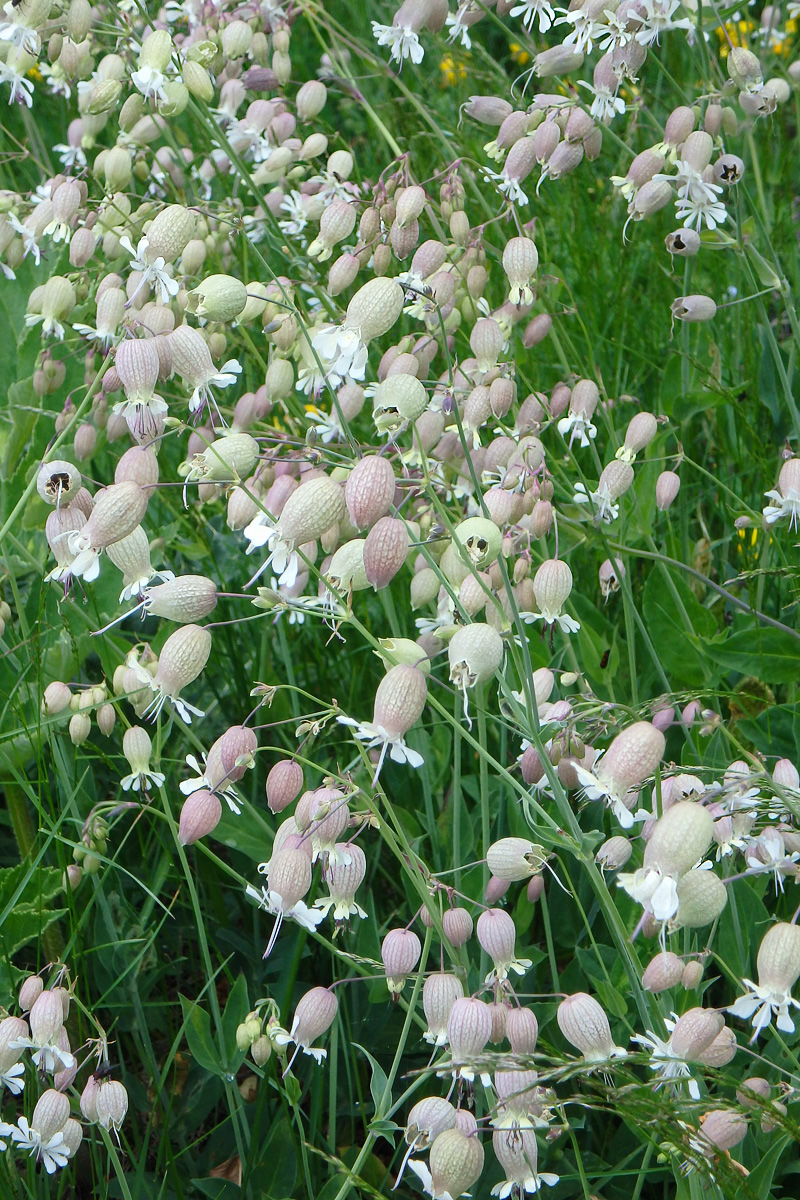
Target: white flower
point(325, 425)
point(150, 83)
point(140, 778)
point(530, 1184)
point(18, 34)
point(296, 217)
point(141, 413)
point(657, 19)
point(761, 1003)
point(282, 556)
point(6, 1130)
point(30, 245)
point(13, 1079)
point(784, 506)
point(402, 39)
point(104, 337)
point(767, 853)
point(155, 272)
point(227, 375)
point(577, 425)
point(530, 9)
point(22, 89)
point(606, 104)
point(272, 903)
point(375, 735)
point(583, 29)
point(47, 1056)
point(652, 889)
point(342, 353)
point(605, 508)
point(597, 789)
point(52, 1154)
point(612, 32)
point(566, 623)
point(510, 188)
point(457, 29)
point(665, 1062)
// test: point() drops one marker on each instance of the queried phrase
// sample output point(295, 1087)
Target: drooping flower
point(778, 966)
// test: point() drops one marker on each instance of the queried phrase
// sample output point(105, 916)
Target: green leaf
point(768, 654)
point(274, 1175)
point(25, 923)
point(197, 1024)
point(677, 645)
point(758, 1183)
point(378, 1082)
point(235, 1012)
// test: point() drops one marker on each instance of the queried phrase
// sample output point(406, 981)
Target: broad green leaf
point(675, 620)
point(197, 1024)
point(235, 1012)
point(768, 654)
point(378, 1082)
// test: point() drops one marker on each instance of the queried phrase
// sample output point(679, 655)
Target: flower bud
point(29, 992)
point(457, 926)
point(50, 1114)
point(400, 951)
point(695, 1031)
point(315, 1013)
point(375, 308)
point(515, 859)
point(456, 1163)
point(200, 814)
point(778, 959)
point(385, 551)
point(46, 1017)
point(111, 1104)
point(663, 972)
point(667, 488)
point(522, 1030)
point(284, 784)
point(694, 308)
point(750, 1091)
point(170, 232)
point(186, 599)
point(400, 699)
point(680, 838)
point(701, 898)
point(469, 1027)
point(58, 482)
point(56, 698)
point(558, 60)
point(585, 1026)
point(723, 1128)
point(488, 110)
point(218, 298)
point(744, 69)
point(427, 1119)
point(439, 994)
point(369, 490)
point(475, 652)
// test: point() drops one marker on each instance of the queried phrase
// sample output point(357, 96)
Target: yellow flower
point(452, 72)
point(519, 54)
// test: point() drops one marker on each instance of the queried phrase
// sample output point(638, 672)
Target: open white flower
point(787, 505)
point(577, 425)
point(271, 902)
point(605, 510)
point(402, 40)
point(529, 10)
point(52, 1153)
point(376, 736)
point(155, 272)
point(762, 1003)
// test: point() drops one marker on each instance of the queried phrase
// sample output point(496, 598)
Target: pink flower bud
point(284, 784)
point(495, 889)
point(385, 551)
point(667, 488)
point(439, 994)
point(680, 839)
point(488, 110)
point(692, 974)
point(29, 992)
point(514, 859)
point(400, 699)
point(289, 876)
point(522, 1030)
point(56, 698)
point(723, 1128)
point(457, 926)
point(200, 814)
point(315, 1013)
point(585, 1026)
point(663, 972)
point(695, 1031)
point(427, 1119)
point(111, 1104)
point(469, 1027)
point(456, 1162)
point(400, 951)
point(46, 1017)
point(50, 1114)
point(535, 889)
